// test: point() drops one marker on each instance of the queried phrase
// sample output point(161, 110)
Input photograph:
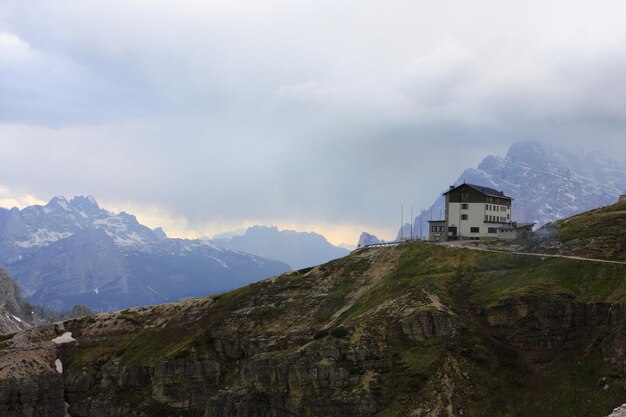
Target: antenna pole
point(401, 222)
point(411, 222)
point(421, 222)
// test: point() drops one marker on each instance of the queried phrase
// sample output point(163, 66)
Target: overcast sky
point(205, 116)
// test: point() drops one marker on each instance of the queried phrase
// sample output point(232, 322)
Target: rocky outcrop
point(41, 395)
point(424, 325)
point(551, 324)
point(619, 411)
point(183, 382)
point(15, 313)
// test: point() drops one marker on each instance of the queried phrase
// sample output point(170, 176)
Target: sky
point(207, 116)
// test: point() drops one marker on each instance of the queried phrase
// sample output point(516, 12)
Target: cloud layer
point(304, 113)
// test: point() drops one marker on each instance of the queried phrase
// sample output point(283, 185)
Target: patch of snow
point(212, 245)
point(16, 318)
point(157, 293)
point(61, 201)
point(97, 291)
point(64, 338)
point(130, 240)
point(42, 237)
point(59, 365)
point(619, 411)
point(117, 229)
point(218, 260)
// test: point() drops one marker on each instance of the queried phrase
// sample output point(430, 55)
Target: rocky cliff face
point(15, 313)
point(410, 330)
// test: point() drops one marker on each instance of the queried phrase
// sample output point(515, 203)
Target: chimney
point(451, 187)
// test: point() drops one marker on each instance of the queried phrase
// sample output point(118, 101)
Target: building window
point(492, 230)
point(463, 216)
point(486, 218)
point(464, 196)
point(486, 206)
point(474, 229)
point(508, 216)
point(464, 206)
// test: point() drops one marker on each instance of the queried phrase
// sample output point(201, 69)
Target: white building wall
point(476, 218)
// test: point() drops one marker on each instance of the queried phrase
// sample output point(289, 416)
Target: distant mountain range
point(546, 183)
point(74, 252)
point(298, 249)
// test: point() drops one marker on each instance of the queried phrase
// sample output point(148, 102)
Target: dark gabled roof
point(484, 190)
point(436, 221)
point(522, 225)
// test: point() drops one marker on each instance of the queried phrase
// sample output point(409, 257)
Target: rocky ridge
point(15, 313)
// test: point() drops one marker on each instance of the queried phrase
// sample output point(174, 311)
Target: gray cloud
point(304, 111)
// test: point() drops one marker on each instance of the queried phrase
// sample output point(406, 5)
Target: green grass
point(605, 221)
point(501, 383)
point(133, 317)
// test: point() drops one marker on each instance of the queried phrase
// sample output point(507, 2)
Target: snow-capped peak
point(59, 200)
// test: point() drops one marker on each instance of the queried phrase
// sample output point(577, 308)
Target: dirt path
point(468, 245)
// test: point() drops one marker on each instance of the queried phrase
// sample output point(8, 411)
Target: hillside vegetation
point(597, 233)
point(412, 330)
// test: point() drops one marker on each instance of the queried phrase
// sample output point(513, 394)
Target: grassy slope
point(596, 233)
point(464, 280)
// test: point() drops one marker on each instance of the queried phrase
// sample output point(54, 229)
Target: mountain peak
point(526, 152)
point(160, 233)
point(86, 204)
point(297, 249)
point(261, 230)
point(58, 200)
